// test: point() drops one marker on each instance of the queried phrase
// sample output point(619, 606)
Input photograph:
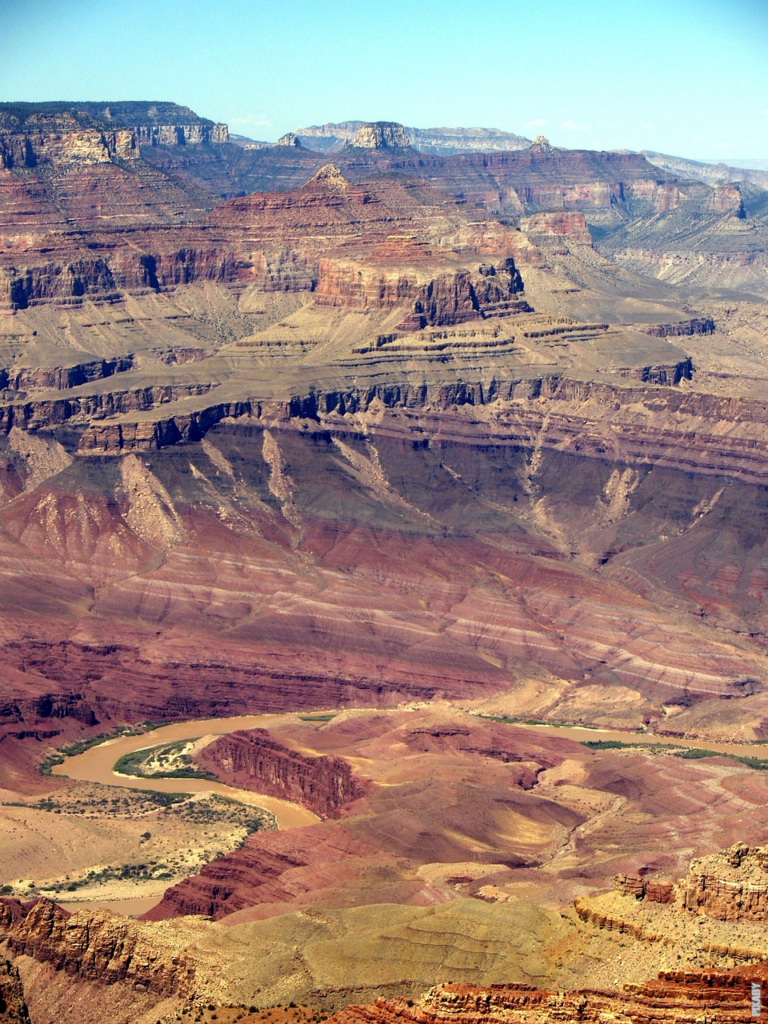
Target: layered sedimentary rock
point(253, 760)
point(97, 946)
point(271, 868)
point(380, 135)
point(75, 148)
point(682, 329)
point(571, 224)
point(674, 997)
point(645, 888)
point(332, 137)
point(731, 886)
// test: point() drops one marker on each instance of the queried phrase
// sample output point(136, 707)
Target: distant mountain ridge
point(331, 137)
point(710, 174)
point(155, 122)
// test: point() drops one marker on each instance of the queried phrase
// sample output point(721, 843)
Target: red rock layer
point(677, 998)
point(272, 868)
point(571, 225)
point(645, 888)
point(253, 760)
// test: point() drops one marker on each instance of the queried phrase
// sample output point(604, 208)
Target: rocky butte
point(398, 450)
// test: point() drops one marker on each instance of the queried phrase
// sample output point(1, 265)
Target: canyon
point(399, 448)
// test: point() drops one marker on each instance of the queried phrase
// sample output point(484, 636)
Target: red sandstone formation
point(571, 225)
point(645, 888)
point(276, 868)
point(674, 997)
point(253, 760)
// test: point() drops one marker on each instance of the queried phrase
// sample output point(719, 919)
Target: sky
point(687, 77)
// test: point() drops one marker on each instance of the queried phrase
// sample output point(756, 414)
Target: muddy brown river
point(97, 765)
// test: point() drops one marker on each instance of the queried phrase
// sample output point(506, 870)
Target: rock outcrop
point(381, 135)
point(254, 760)
point(675, 998)
point(681, 329)
point(274, 868)
point(645, 888)
point(93, 945)
point(729, 886)
point(13, 1008)
point(571, 225)
point(329, 138)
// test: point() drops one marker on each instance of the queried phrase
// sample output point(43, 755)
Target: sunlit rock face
point(401, 448)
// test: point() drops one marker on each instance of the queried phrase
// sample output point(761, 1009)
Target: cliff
point(77, 147)
point(13, 1008)
point(676, 998)
point(94, 945)
point(253, 760)
point(381, 135)
point(439, 141)
point(272, 868)
point(147, 123)
point(729, 886)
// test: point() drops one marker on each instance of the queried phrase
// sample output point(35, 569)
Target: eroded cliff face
point(730, 886)
point(724, 896)
point(727, 886)
point(74, 148)
point(674, 997)
point(96, 946)
point(253, 760)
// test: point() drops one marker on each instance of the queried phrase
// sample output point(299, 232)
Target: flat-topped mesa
point(154, 123)
point(381, 135)
point(182, 134)
point(75, 146)
point(434, 294)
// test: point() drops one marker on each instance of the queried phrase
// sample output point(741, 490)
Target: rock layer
point(253, 760)
point(674, 997)
point(97, 946)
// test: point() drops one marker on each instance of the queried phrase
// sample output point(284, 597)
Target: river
point(97, 765)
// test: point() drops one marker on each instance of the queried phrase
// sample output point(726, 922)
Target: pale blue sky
point(688, 77)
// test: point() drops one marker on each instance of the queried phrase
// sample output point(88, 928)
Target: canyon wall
point(675, 998)
point(94, 945)
point(253, 760)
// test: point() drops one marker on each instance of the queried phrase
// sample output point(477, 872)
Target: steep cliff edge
point(253, 760)
point(97, 946)
point(728, 886)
